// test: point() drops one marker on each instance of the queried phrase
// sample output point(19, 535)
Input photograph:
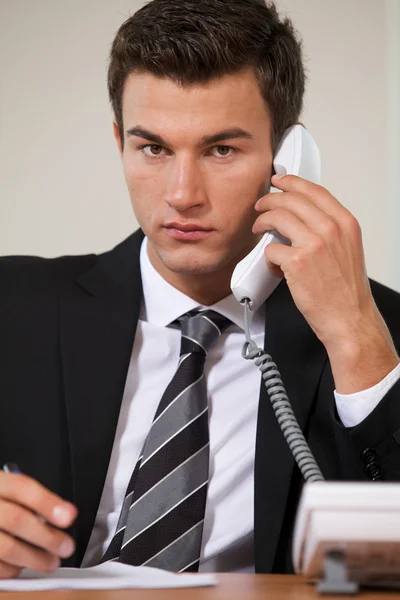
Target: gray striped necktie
point(161, 521)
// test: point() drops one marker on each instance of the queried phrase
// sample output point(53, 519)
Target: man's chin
point(195, 268)
point(193, 263)
point(192, 260)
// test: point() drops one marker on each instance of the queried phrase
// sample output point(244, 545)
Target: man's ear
point(117, 138)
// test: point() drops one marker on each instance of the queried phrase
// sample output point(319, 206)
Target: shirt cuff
point(354, 408)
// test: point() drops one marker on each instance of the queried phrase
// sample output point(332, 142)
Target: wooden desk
point(231, 587)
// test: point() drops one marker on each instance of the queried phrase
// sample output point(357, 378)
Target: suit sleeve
point(373, 446)
point(375, 442)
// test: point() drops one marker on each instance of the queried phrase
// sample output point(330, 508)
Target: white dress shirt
point(233, 391)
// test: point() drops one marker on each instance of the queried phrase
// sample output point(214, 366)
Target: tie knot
point(200, 330)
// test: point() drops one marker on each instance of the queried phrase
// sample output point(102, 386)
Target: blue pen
point(11, 468)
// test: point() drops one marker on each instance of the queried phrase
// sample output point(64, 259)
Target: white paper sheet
point(111, 575)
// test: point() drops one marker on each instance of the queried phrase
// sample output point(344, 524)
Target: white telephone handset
point(297, 154)
point(252, 282)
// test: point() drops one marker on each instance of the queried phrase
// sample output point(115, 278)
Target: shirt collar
point(174, 303)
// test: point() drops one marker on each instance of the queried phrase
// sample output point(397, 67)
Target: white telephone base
point(359, 520)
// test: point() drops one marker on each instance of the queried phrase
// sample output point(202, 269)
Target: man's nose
point(184, 189)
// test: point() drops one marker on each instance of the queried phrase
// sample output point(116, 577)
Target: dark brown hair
point(196, 41)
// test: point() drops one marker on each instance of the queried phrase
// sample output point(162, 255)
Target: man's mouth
point(187, 231)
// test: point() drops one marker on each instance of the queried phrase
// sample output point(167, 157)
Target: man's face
point(196, 159)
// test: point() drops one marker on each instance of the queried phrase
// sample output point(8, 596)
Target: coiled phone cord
point(281, 404)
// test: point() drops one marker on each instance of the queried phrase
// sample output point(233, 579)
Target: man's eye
point(152, 150)
point(223, 150)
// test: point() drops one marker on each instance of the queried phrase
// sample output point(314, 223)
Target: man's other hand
point(30, 521)
point(326, 275)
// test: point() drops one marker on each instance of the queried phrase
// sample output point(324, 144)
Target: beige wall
point(61, 185)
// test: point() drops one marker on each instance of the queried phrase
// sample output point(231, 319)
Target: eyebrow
point(227, 134)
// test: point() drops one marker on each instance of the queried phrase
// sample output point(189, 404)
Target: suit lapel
point(97, 329)
point(300, 358)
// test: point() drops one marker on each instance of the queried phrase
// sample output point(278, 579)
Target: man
point(202, 92)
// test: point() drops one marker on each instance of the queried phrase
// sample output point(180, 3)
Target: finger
point(317, 194)
point(30, 493)
point(277, 256)
point(24, 524)
point(16, 553)
point(312, 216)
point(8, 571)
point(287, 224)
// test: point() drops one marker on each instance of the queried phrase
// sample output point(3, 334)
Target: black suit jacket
point(67, 327)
